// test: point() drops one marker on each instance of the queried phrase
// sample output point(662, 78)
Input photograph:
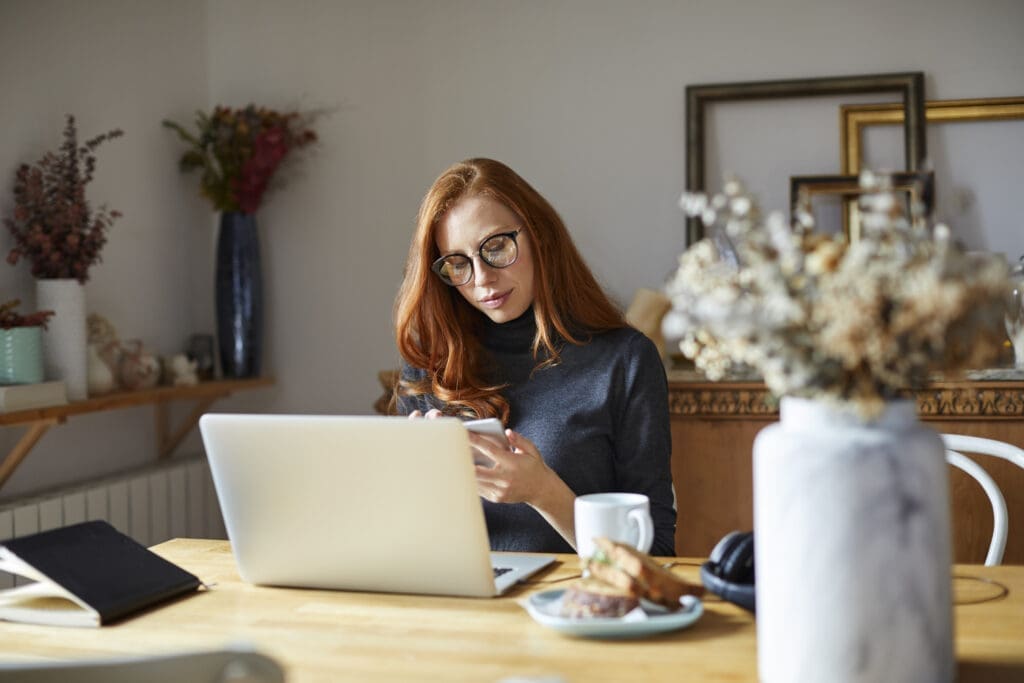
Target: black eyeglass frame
point(437, 265)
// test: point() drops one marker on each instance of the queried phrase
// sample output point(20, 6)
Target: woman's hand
point(520, 475)
point(431, 414)
point(517, 475)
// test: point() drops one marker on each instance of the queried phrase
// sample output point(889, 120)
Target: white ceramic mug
point(623, 517)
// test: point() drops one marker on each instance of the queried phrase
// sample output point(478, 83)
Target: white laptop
point(356, 503)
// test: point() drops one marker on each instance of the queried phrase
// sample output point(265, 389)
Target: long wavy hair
point(437, 330)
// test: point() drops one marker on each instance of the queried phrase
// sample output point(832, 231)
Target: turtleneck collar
point(514, 336)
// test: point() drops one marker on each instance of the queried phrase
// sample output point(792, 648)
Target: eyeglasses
point(497, 251)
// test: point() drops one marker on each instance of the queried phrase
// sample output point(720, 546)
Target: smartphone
point(490, 426)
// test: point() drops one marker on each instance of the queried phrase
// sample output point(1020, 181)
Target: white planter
point(65, 354)
point(853, 548)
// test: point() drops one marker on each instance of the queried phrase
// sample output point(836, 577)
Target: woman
point(498, 316)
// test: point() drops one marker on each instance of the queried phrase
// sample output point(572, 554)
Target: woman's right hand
point(431, 414)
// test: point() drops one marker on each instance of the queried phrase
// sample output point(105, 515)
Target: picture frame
point(854, 118)
point(910, 86)
point(918, 187)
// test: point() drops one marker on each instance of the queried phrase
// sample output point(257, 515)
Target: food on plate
point(631, 571)
point(588, 598)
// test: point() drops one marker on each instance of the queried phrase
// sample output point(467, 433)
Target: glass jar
point(1015, 312)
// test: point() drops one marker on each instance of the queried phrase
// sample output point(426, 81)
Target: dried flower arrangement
point(240, 150)
point(9, 317)
point(52, 224)
point(820, 317)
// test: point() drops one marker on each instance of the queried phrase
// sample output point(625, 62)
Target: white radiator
point(169, 500)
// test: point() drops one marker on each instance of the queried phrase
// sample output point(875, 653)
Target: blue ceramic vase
point(239, 293)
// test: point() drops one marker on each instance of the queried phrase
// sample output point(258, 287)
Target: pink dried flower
point(52, 223)
point(239, 151)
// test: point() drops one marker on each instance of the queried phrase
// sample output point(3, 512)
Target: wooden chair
point(955, 443)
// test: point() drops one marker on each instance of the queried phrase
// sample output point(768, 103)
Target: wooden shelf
point(205, 394)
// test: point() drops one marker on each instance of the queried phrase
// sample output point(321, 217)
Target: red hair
point(437, 330)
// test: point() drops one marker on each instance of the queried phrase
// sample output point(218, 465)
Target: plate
point(544, 608)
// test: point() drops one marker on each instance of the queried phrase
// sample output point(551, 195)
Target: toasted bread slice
point(589, 598)
point(622, 565)
point(614, 575)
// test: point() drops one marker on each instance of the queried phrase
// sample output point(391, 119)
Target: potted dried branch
point(849, 486)
point(240, 154)
point(61, 235)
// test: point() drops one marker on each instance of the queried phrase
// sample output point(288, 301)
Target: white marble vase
point(852, 550)
point(65, 350)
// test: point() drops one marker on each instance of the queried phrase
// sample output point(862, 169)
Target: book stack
point(14, 397)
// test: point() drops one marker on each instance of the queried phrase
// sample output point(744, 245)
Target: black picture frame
point(910, 85)
point(919, 186)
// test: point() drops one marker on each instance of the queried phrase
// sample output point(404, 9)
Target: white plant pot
point(852, 550)
point(65, 354)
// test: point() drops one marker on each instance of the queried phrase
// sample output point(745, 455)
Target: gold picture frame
point(918, 188)
point(854, 118)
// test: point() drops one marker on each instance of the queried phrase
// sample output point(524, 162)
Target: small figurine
point(104, 355)
point(179, 371)
point(139, 369)
point(101, 331)
point(100, 375)
point(200, 350)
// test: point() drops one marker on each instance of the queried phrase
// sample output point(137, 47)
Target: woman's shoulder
point(622, 347)
point(626, 340)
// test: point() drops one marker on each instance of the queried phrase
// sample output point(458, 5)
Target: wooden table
point(338, 636)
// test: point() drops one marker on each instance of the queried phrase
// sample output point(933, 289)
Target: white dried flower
point(740, 206)
point(817, 316)
point(693, 204)
point(824, 259)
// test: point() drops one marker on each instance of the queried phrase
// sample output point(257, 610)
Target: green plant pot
point(21, 357)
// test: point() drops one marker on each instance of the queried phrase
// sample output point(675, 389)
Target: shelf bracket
point(30, 438)
point(167, 440)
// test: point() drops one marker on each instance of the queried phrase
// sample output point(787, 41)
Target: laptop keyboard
point(498, 571)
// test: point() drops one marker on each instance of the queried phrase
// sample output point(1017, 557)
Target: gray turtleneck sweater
point(599, 418)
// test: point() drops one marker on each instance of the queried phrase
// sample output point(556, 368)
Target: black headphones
point(729, 571)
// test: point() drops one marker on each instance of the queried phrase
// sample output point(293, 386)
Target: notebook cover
point(109, 571)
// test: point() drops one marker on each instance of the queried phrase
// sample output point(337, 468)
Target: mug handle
point(646, 526)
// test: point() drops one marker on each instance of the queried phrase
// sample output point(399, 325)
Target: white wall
point(113, 64)
point(584, 98)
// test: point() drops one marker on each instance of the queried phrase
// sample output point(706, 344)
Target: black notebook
point(87, 574)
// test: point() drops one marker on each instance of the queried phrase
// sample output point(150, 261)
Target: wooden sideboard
point(713, 430)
